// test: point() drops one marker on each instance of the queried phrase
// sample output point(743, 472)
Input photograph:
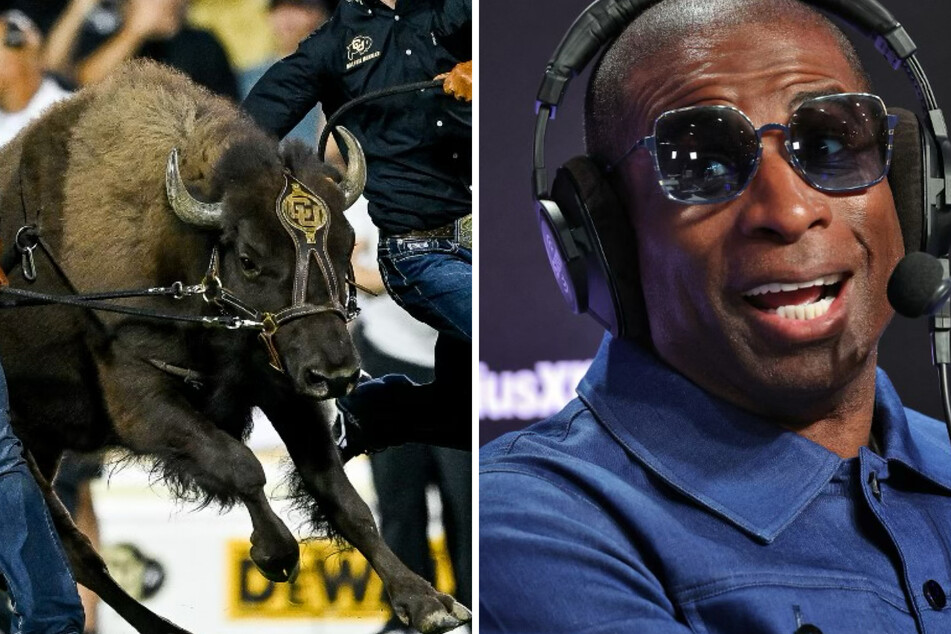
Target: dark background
point(523, 318)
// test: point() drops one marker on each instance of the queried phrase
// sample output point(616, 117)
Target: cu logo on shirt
point(358, 46)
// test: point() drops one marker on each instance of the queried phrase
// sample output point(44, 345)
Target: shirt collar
point(748, 470)
point(921, 445)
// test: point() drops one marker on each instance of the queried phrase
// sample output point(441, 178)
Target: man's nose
point(780, 205)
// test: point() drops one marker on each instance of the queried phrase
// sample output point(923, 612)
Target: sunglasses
point(710, 154)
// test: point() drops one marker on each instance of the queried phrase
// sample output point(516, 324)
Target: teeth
point(805, 311)
point(777, 287)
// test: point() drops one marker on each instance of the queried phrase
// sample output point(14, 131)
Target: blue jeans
point(45, 600)
point(432, 280)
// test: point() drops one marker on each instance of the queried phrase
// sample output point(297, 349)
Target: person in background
point(25, 91)
point(32, 562)
point(155, 29)
point(389, 340)
point(41, 587)
point(42, 12)
point(291, 21)
point(73, 486)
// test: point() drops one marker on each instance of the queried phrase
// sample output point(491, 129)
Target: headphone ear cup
point(906, 176)
point(564, 256)
point(603, 235)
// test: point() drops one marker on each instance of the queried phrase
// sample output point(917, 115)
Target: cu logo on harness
point(360, 45)
point(304, 211)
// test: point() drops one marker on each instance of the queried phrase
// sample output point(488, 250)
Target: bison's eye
point(248, 267)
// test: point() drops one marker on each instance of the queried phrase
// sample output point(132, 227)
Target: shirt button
point(455, 155)
point(409, 52)
point(935, 595)
point(439, 124)
point(396, 17)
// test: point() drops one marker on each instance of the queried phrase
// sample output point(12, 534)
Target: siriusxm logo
point(528, 394)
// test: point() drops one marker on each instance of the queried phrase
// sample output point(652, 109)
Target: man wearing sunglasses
point(742, 466)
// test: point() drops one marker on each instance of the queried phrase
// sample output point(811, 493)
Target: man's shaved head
point(611, 98)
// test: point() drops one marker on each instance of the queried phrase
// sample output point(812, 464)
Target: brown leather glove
point(458, 81)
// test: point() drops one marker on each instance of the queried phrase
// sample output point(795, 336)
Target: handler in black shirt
point(418, 150)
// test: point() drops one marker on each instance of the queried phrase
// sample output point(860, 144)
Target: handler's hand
point(458, 81)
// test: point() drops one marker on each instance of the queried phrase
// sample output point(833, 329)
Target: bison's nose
point(334, 386)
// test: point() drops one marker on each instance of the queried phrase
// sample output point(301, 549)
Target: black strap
point(376, 94)
point(34, 299)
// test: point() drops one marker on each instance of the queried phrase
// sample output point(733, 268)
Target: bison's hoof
point(430, 614)
point(278, 568)
point(441, 621)
point(282, 574)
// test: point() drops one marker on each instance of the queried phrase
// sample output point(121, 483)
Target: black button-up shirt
point(418, 145)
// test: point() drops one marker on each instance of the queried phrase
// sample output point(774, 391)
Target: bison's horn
point(356, 176)
point(186, 206)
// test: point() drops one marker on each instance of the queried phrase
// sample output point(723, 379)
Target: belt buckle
point(463, 231)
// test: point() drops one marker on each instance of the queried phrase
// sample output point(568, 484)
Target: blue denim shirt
point(648, 505)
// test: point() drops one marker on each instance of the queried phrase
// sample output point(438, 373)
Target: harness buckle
point(269, 327)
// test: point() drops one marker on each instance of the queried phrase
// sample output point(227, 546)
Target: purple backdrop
point(532, 348)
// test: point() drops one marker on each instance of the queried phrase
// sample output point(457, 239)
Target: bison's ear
point(186, 206)
point(355, 178)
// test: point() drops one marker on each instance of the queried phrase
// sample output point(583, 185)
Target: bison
point(144, 180)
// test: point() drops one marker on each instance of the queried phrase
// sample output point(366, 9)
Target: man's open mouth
point(797, 300)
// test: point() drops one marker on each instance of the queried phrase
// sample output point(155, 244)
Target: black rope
point(36, 299)
point(177, 291)
point(376, 94)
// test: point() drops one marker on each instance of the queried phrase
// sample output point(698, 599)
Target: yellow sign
point(332, 584)
point(304, 211)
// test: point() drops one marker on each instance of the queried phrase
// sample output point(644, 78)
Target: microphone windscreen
point(914, 282)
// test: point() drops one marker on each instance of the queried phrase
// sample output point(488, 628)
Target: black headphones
point(14, 37)
point(587, 236)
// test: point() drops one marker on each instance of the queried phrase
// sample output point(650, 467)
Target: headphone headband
point(604, 20)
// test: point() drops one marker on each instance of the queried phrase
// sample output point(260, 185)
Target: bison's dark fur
point(91, 175)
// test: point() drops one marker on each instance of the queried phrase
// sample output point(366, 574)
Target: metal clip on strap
point(27, 262)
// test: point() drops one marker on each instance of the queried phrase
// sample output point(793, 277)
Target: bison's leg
point(89, 568)
point(151, 418)
point(309, 442)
